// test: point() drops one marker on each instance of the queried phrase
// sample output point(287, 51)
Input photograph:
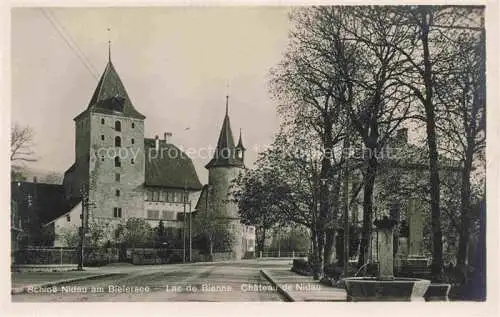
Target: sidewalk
point(22, 282)
point(298, 288)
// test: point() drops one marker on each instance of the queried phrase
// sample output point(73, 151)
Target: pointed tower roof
point(240, 143)
point(226, 135)
point(110, 96)
point(225, 152)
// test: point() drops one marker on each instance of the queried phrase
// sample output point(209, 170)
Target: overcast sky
point(175, 63)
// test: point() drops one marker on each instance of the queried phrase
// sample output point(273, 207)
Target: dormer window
point(118, 126)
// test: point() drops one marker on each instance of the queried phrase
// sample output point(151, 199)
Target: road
point(211, 282)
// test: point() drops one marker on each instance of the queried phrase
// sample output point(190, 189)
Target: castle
point(119, 174)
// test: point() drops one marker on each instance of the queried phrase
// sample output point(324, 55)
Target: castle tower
point(225, 166)
point(109, 152)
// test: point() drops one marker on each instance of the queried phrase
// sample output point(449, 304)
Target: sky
point(177, 65)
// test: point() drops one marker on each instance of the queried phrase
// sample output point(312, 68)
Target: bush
point(301, 266)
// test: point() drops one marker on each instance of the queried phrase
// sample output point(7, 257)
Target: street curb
point(284, 293)
point(24, 289)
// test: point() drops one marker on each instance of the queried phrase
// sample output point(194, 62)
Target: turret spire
point(240, 143)
point(109, 45)
point(227, 105)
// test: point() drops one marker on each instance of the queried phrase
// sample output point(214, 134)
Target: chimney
point(402, 135)
point(166, 136)
point(157, 143)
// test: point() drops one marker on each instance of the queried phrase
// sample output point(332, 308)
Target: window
point(118, 141)
point(118, 126)
point(102, 158)
point(132, 161)
point(117, 212)
point(153, 214)
point(133, 125)
point(102, 121)
point(150, 196)
point(117, 193)
point(156, 196)
point(177, 197)
point(117, 177)
point(170, 197)
point(117, 161)
point(102, 137)
point(68, 218)
point(132, 141)
point(162, 196)
point(169, 215)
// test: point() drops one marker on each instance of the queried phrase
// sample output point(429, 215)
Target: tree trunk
point(330, 246)
point(367, 211)
point(260, 238)
point(211, 248)
point(437, 235)
point(315, 255)
point(465, 220)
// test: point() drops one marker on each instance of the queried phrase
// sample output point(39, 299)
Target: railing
point(64, 256)
point(46, 256)
point(281, 254)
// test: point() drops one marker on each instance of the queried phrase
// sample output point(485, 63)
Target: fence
point(63, 256)
point(281, 254)
point(46, 256)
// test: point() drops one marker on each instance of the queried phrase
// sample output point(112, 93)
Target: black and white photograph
point(329, 153)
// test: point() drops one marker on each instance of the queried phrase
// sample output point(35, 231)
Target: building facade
point(121, 174)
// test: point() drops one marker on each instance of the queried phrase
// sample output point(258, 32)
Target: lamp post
point(84, 194)
point(184, 198)
point(346, 199)
point(190, 234)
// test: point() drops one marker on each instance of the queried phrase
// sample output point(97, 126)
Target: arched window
point(118, 126)
point(133, 125)
point(117, 161)
point(118, 141)
point(132, 161)
point(102, 121)
point(132, 141)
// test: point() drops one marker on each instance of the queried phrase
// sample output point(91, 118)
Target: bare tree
point(461, 93)
point(428, 52)
point(21, 143)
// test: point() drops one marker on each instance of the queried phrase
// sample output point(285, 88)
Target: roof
point(240, 143)
point(48, 200)
point(225, 152)
point(170, 167)
point(202, 200)
point(110, 96)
